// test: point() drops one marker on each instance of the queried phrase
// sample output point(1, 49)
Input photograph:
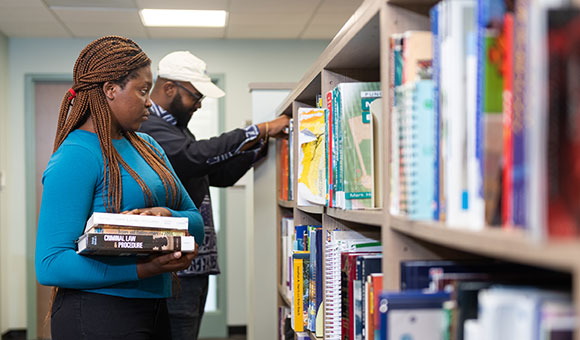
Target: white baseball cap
point(184, 66)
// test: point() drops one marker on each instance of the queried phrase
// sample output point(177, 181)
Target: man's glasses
point(197, 97)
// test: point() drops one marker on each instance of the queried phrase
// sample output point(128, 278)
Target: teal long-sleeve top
point(73, 185)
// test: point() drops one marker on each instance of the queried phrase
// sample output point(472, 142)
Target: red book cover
point(563, 148)
point(508, 70)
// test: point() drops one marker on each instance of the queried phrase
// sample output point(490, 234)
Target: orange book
point(284, 169)
point(375, 287)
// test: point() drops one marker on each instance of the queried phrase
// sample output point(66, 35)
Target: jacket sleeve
point(227, 173)
point(188, 156)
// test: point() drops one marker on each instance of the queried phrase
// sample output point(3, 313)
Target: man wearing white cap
point(220, 161)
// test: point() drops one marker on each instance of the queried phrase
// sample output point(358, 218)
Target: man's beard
point(179, 112)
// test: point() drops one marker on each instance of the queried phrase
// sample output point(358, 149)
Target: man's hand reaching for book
point(155, 265)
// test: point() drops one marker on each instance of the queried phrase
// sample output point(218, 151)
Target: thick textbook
point(132, 244)
point(141, 221)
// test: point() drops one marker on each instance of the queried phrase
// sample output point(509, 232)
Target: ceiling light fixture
point(182, 18)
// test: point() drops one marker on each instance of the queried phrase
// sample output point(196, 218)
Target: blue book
point(411, 315)
point(434, 15)
point(422, 182)
point(299, 244)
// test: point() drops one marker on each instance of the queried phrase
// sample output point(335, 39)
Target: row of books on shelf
point(467, 299)
point(125, 234)
point(484, 117)
point(339, 150)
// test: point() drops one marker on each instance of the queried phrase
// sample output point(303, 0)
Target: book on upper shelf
point(132, 244)
point(311, 157)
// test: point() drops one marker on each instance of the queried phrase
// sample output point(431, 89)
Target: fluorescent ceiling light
point(182, 18)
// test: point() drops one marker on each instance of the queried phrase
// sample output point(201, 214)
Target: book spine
point(507, 198)
point(122, 244)
point(330, 149)
point(434, 15)
point(335, 134)
point(345, 305)
point(340, 146)
point(519, 171)
point(128, 220)
point(106, 229)
point(298, 289)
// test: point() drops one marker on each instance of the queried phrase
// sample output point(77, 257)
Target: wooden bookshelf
point(313, 336)
point(283, 296)
point(311, 209)
point(359, 52)
point(369, 217)
point(286, 204)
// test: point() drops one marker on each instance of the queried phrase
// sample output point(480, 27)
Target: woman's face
point(129, 104)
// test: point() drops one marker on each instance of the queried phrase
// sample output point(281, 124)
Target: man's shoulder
point(156, 123)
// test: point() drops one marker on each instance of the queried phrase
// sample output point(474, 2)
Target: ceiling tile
point(263, 32)
point(269, 19)
point(183, 4)
point(186, 32)
point(273, 6)
point(339, 6)
point(40, 29)
point(92, 3)
point(325, 25)
point(92, 22)
point(29, 18)
point(320, 31)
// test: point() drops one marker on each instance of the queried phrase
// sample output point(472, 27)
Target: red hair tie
point(73, 93)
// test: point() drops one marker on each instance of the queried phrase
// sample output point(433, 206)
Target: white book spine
point(141, 221)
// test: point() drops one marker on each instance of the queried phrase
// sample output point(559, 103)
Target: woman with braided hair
point(100, 164)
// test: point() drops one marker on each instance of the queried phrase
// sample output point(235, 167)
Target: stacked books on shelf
point(125, 234)
point(352, 279)
point(477, 138)
point(476, 300)
point(340, 151)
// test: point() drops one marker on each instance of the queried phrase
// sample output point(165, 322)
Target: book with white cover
point(140, 221)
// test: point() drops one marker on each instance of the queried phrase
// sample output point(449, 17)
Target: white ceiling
point(247, 19)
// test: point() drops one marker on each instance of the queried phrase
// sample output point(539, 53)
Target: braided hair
point(115, 59)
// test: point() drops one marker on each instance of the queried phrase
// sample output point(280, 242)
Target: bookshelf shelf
point(370, 217)
point(494, 242)
point(286, 204)
point(359, 53)
point(314, 209)
point(283, 297)
point(313, 336)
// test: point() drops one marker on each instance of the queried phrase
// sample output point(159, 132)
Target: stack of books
point(121, 234)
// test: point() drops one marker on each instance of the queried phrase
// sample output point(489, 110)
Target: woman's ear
point(110, 90)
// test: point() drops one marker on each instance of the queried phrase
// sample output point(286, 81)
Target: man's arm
point(229, 172)
point(190, 157)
